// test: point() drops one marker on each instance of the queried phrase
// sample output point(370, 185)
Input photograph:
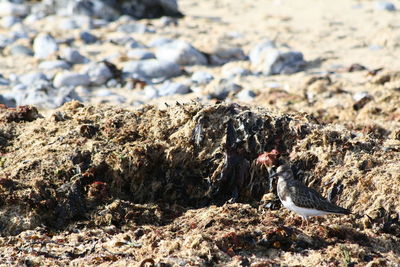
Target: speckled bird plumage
point(301, 199)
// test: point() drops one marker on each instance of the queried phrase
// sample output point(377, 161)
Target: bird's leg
point(304, 218)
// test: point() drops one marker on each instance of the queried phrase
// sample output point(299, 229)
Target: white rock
point(9, 21)
point(385, 6)
point(11, 9)
point(32, 77)
point(71, 79)
point(202, 77)
point(139, 54)
point(73, 56)
point(54, 64)
point(169, 88)
point(44, 45)
point(152, 69)
point(246, 95)
point(180, 52)
point(150, 92)
point(268, 60)
point(99, 73)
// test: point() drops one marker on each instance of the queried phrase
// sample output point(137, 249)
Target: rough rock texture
point(97, 185)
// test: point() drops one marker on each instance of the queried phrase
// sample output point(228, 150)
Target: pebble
point(97, 9)
point(4, 81)
point(223, 55)
point(268, 60)
point(180, 52)
point(139, 54)
point(173, 88)
point(32, 77)
point(99, 73)
point(231, 72)
point(150, 92)
point(21, 50)
point(160, 41)
point(71, 79)
point(201, 77)
point(44, 45)
point(385, 6)
point(73, 56)
point(12, 9)
point(68, 23)
point(223, 88)
point(9, 21)
point(42, 94)
point(361, 99)
point(246, 95)
point(134, 28)
point(152, 69)
point(54, 64)
point(168, 21)
point(104, 92)
point(5, 100)
point(87, 37)
point(5, 41)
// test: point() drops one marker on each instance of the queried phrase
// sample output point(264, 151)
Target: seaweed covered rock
point(95, 167)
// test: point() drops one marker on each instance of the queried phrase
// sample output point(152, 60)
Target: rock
point(20, 50)
point(33, 17)
point(97, 9)
point(99, 73)
point(87, 37)
point(385, 6)
point(8, 101)
point(152, 69)
point(231, 72)
point(168, 21)
point(170, 88)
point(222, 88)
point(44, 45)
point(12, 9)
point(9, 21)
point(32, 77)
point(134, 27)
point(246, 95)
point(5, 41)
point(42, 94)
point(73, 56)
point(140, 54)
point(126, 41)
point(201, 77)
point(3, 81)
point(361, 99)
point(113, 9)
point(71, 79)
point(54, 64)
point(141, 9)
point(150, 92)
point(268, 60)
point(103, 93)
point(180, 52)
point(223, 55)
point(107, 96)
point(67, 23)
point(160, 41)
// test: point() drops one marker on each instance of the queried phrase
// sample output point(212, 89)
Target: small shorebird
point(301, 199)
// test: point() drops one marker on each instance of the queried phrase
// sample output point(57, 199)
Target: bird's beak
point(274, 175)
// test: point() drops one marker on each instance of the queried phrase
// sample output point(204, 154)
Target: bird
point(301, 199)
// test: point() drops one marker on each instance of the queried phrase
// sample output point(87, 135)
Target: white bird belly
point(305, 212)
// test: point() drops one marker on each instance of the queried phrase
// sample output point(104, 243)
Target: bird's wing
point(306, 197)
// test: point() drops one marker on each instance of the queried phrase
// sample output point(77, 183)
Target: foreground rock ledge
point(144, 175)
